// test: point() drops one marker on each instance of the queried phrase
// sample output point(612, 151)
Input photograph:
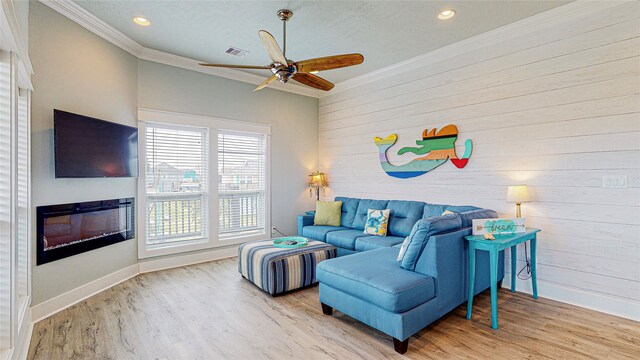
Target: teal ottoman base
point(278, 270)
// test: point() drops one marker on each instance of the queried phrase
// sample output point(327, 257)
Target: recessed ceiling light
point(141, 21)
point(446, 14)
point(314, 72)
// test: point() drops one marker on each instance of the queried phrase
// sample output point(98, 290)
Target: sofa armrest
point(304, 220)
point(446, 258)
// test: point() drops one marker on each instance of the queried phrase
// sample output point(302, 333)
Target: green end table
point(478, 242)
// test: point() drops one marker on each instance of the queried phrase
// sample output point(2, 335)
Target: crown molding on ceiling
point(92, 23)
point(16, 42)
point(519, 28)
point(522, 27)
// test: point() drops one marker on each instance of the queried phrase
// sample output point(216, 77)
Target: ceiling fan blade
point(329, 62)
point(272, 47)
point(313, 81)
point(265, 83)
point(237, 66)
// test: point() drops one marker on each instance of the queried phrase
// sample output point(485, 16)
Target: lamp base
point(518, 212)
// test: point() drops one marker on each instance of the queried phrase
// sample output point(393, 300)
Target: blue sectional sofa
point(399, 298)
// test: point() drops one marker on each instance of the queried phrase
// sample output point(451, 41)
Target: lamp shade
point(518, 194)
point(318, 179)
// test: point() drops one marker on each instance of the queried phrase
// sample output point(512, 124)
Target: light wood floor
point(208, 311)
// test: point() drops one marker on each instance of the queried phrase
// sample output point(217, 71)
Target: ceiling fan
point(284, 69)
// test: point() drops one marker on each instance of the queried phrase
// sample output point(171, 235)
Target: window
point(15, 225)
point(176, 172)
point(241, 184)
point(23, 199)
point(205, 182)
point(7, 215)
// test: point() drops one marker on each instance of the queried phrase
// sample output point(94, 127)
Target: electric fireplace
point(69, 229)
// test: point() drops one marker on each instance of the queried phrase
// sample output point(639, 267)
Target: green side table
point(478, 242)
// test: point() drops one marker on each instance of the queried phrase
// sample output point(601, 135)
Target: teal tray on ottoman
point(277, 270)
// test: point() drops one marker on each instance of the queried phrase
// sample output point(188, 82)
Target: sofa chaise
point(399, 298)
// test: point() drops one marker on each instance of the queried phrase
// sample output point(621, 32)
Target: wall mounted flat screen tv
point(89, 148)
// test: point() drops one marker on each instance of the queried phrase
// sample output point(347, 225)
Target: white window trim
point(213, 124)
point(15, 301)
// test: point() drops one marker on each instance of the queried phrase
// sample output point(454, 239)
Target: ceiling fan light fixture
point(142, 21)
point(303, 71)
point(446, 14)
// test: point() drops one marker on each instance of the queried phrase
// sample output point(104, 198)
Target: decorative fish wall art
point(434, 150)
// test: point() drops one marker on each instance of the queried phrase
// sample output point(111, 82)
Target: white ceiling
point(385, 32)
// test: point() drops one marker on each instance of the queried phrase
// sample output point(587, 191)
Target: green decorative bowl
point(290, 242)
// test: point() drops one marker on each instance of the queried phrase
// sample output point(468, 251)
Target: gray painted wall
point(76, 71)
point(293, 119)
point(80, 72)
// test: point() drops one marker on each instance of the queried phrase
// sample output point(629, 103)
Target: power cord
point(527, 265)
point(278, 231)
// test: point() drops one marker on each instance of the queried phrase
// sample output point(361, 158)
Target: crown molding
point(92, 23)
point(17, 43)
point(522, 27)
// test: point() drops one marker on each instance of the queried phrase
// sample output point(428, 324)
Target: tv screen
point(86, 147)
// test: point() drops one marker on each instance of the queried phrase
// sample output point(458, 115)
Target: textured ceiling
point(385, 32)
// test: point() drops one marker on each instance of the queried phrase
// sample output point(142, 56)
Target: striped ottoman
point(277, 270)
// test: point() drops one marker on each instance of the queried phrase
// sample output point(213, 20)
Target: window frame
point(266, 231)
point(213, 124)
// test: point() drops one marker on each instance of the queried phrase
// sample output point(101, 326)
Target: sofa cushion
point(468, 216)
point(431, 210)
point(319, 232)
point(421, 232)
point(376, 242)
point(363, 207)
point(438, 209)
point(462, 208)
point(386, 284)
point(344, 238)
point(327, 213)
point(404, 214)
point(349, 208)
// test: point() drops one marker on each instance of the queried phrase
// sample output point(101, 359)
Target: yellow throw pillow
point(328, 213)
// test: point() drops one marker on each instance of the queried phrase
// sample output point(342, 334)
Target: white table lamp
point(518, 194)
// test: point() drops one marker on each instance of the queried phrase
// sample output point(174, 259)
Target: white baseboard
point(52, 306)
point(61, 302)
point(608, 304)
point(187, 259)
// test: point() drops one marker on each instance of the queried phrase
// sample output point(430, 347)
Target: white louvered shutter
point(176, 173)
point(241, 183)
point(23, 202)
point(7, 214)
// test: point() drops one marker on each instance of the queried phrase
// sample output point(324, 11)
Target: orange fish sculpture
point(434, 150)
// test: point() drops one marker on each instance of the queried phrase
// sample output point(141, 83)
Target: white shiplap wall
point(556, 108)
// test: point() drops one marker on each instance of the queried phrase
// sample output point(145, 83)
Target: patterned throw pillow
point(403, 249)
point(377, 221)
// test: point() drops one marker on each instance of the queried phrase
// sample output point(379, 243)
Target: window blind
point(241, 183)
point(176, 172)
point(6, 204)
point(22, 196)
